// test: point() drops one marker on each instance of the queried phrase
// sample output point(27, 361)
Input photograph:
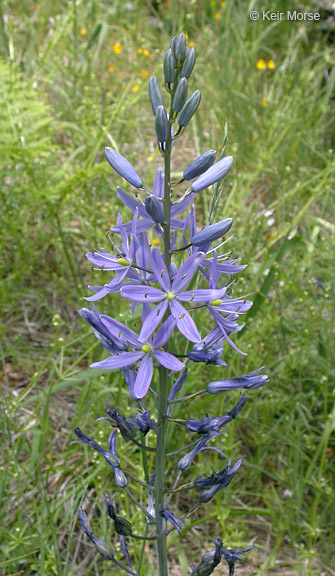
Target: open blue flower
point(143, 351)
point(170, 296)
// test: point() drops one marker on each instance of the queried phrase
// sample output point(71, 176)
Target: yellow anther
point(215, 302)
point(170, 295)
point(181, 317)
point(146, 348)
point(162, 272)
point(184, 276)
point(192, 297)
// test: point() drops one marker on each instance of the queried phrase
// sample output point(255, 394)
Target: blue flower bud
point(213, 174)
point(155, 94)
point(179, 47)
point(180, 95)
point(212, 232)
point(84, 525)
point(200, 165)
point(189, 109)
point(169, 66)
point(189, 63)
point(251, 380)
point(161, 124)
point(173, 43)
point(123, 167)
point(120, 479)
point(155, 208)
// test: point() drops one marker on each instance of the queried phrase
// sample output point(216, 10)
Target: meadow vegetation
point(73, 78)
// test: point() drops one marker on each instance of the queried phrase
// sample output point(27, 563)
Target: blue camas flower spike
point(163, 268)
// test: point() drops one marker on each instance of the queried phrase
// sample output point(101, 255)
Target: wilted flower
point(122, 526)
point(231, 556)
point(217, 481)
point(172, 518)
point(101, 546)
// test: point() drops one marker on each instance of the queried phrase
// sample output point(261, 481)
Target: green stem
point(163, 381)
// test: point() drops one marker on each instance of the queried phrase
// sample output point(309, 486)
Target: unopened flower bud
point(189, 109)
point(155, 94)
point(122, 526)
point(212, 232)
point(155, 209)
point(173, 43)
point(189, 63)
point(123, 167)
point(120, 479)
point(179, 47)
point(200, 165)
point(161, 124)
point(213, 174)
point(103, 548)
point(169, 66)
point(180, 96)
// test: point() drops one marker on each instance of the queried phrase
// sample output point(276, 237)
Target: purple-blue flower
point(171, 294)
point(144, 350)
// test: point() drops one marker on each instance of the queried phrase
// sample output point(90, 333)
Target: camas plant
point(156, 259)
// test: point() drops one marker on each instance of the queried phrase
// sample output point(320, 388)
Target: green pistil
point(146, 348)
point(123, 261)
point(170, 295)
point(215, 302)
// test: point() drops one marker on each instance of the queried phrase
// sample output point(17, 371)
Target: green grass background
point(64, 94)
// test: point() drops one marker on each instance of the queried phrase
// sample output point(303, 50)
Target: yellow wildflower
point(144, 73)
point(117, 48)
point(146, 52)
point(83, 32)
point(261, 65)
point(186, 36)
point(217, 15)
point(150, 158)
point(191, 44)
point(271, 65)
point(223, 4)
point(135, 88)
point(111, 68)
point(139, 51)
point(263, 102)
point(217, 68)
point(120, 75)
